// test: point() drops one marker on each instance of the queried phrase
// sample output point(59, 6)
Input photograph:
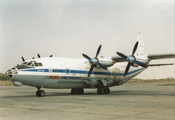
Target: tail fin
point(140, 49)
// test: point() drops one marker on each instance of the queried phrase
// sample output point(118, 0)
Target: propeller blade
point(38, 55)
point(122, 55)
point(90, 71)
point(51, 55)
point(140, 64)
point(135, 48)
point(102, 66)
point(87, 57)
point(127, 69)
point(23, 59)
point(98, 51)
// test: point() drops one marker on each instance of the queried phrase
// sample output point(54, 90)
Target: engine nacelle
point(107, 62)
point(142, 58)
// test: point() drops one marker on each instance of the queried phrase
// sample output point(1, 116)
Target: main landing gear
point(77, 91)
point(103, 90)
point(40, 93)
point(100, 90)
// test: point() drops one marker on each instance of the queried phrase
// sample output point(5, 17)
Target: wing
point(118, 59)
point(152, 65)
point(160, 56)
point(150, 57)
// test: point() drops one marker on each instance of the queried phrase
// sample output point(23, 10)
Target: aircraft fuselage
point(62, 73)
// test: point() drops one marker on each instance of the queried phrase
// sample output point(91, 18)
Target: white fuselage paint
point(62, 73)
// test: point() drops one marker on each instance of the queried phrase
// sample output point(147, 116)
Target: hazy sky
point(68, 28)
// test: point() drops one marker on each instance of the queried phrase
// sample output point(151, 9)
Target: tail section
point(140, 49)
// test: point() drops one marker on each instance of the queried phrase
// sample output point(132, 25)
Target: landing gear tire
point(77, 91)
point(107, 90)
point(103, 90)
point(40, 93)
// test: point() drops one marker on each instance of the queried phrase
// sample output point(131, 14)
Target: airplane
point(83, 73)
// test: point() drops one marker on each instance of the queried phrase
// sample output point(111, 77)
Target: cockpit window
point(40, 64)
point(29, 63)
point(36, 64)
point(25, 62)
point(32, 64)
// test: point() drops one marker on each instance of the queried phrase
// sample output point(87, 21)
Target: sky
point(68, 28)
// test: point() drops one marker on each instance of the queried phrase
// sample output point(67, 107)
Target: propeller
point(94, 61)
point(40, 56)
point(131, 59)
point(23, 59)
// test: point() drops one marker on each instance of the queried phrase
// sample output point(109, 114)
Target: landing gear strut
point(77, 91)
point(40, 93)
point(103, 90)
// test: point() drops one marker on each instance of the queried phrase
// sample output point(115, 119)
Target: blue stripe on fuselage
point(78, 71)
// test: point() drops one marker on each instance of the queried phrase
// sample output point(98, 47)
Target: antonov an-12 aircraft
point(88, 72)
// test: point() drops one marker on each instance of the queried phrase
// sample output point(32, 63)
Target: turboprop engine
point(107, 62)
point(132, 59)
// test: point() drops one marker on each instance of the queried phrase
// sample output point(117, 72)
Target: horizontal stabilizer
point(152, 65)
point(160, 56)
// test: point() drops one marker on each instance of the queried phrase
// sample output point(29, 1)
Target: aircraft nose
point(11, 72)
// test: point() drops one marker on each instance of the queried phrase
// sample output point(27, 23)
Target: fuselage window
point(53, 70)
point(59, 70)
point(67, 71)
point(72, 71)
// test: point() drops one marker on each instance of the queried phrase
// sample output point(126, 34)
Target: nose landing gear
point(40, 93)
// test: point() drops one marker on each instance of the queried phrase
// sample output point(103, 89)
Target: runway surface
point(137, 101)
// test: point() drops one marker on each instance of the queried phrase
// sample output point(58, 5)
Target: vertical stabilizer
point(140, 49)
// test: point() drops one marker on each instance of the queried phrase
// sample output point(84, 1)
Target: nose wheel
point(40, 93)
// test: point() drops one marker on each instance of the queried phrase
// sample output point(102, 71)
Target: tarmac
point(136, 101)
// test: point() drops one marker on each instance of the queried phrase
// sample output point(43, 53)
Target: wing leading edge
point(160, 56)
point(152, 65)
point(150, 57)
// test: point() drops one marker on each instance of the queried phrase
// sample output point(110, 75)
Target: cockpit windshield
point(32, 64)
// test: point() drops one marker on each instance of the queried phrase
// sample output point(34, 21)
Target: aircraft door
point(116, 74)
point(87, 71)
